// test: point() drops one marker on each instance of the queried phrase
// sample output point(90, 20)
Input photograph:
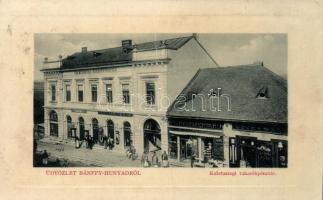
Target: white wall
point(150, 55)
point(184, 64)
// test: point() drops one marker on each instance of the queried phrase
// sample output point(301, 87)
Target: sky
point(226, 49)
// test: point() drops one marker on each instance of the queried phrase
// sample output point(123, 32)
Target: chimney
point(126, 46)
point(196, 36)
point(84, 49)
point(45, 59)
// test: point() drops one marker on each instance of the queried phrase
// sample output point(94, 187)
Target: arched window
point(69, 126)
point(110, 133)
point(53, 123)
point(81, 128)
point(152, 138)
point(95, 129)
point(127, 134)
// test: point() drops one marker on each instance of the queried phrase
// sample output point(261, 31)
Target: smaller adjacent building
point(235, 115)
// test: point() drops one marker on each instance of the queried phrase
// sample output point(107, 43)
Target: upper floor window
point(108, 91)
point(150, 93)
point(94, 91)
point(80, 93)
point(67, 93)
point(53, 92)
point(125, 93)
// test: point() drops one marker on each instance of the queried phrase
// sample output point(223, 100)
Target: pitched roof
point(243, 84)
point(174, 44)
point(90, 58)
point(116, 55)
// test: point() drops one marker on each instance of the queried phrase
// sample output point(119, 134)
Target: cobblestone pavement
point(95, 157)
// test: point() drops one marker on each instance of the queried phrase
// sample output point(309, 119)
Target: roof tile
point(241, 84)
point(116, 55)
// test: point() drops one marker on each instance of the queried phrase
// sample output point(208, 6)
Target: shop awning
point(213, 135)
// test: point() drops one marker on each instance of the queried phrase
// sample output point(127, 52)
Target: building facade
point(122, 93)
point(231, 117)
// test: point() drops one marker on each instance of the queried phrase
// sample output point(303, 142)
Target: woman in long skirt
point(165, 159)
point(45, 158)
point(105, 142)
point(77, 142)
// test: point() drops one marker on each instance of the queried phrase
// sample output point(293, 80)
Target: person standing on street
point(45, 158)
point(192, 160)
point(87, 141)
point(109, 143)
point(77, 142)
point(105, 142)
point(164, 158)
point(90, 142)
point(154, 160)
point(144, 159)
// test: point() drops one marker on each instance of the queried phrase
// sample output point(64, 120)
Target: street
point(83, 157)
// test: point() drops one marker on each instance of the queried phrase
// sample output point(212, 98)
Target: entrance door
point(264, 154)
point(69, 126)
point(53, 123)
point(152, 142)
point(152, 138)
point(110, 133)
point(188, 147)
point(81, 128)
point(280, 158)
point(247, 152)
point(127, 134)
point(95, 130)
point(183, 148)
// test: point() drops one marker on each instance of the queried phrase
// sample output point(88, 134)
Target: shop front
point(202, 147)
point(251, 152)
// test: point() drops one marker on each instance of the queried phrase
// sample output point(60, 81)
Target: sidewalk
point(96, 157)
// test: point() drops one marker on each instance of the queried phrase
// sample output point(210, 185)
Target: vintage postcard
point(161, 100)
point(197, 104)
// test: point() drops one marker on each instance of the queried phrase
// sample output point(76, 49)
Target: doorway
point(53, 124)
point(95, 130)
point(152, 137)
point(247, 151)
point(127, 134)
point(110, 133)
point(81, 128)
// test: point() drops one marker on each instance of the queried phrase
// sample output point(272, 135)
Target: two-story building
point(122, 92)
point(236, 116)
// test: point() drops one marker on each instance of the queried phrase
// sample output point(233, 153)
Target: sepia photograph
point(150, 100)
point(161, 100)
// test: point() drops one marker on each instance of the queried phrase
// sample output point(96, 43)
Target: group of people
point(131, 152)
point(108, 142)
point(89, 142)
point(151, 159)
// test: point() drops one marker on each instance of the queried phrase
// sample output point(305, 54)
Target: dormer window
point(96, 54)
point(213, 93)
point(263, 93)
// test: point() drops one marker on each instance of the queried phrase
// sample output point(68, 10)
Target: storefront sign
point(78, 111)
point(196, 124)
point(115, 114)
